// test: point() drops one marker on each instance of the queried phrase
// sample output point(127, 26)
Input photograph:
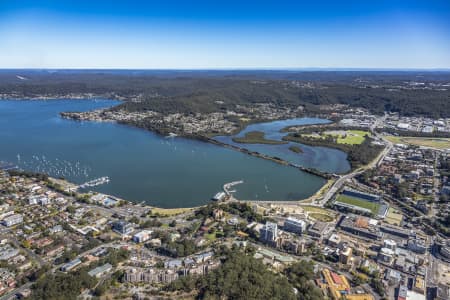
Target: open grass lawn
point(321, 217)
point(350, 137)
point(438, 143)
point(418, 197)
point(319, 213)
point(210, 236)
point(359, 202)
point(256, 137)
point(170, 211)
point(314, 209)
point(394, 217)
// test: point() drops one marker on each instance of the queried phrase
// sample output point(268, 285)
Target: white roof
point(387, 251)
point(411, 295)
point(390, 242)
point(294, 220)
point(373, 222)
point(143, 233)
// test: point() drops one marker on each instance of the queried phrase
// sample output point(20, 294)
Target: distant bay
point(165, 172)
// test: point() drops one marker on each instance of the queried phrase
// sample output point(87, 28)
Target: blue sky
point(224, 34)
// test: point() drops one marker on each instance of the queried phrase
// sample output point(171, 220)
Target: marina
point(5, 166)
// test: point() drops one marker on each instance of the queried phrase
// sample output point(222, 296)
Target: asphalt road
point(340, 182)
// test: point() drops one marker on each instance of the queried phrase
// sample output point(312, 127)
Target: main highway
point(343, 178)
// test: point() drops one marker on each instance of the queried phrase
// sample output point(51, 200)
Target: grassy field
point(170, 211)
point(359, 202)
point(315, 211)
point(351, 137)
point(438, 143)
point(320, 214)
point(256, 137)
point(393, 217)
point(211, 236)
point(322, 217)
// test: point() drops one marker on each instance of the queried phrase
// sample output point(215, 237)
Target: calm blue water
point(321, 158)
point(142, 166)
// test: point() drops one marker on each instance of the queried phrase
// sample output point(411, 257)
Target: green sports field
point(351, 137)
point(374, 207)
point(438, 143)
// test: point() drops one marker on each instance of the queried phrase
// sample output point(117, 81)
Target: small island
point(256, 137)
point(296, 149)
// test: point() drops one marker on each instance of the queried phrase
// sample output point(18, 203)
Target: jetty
point(227, 186)
point(94, 182)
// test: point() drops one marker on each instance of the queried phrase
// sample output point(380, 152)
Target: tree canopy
point(241, 276)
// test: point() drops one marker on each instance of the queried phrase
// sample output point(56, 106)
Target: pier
point(94, 182)
point(227, 186)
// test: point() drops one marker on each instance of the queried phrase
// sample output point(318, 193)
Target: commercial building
point(400, 263)
point(402, 292)
point(393, 277)
point(142, 236)
point(360, 226)
point(70, 265)
point(334, 240)
point(317, 230)
point(419, 285)
point(122, 227)
point(417, 245)
point(345, 256)
point(390, 244)
point(294, 225)
point(337, 285)
point(405, 294)
point(7, 252)
point(359, 297)
point(269, 232)
point(412, 295)
point(99, 271)
point(150, 276)
point(203, 257)
point(397, 231)
point(386, 255)
point(443, 292)
point(273, 257)
point(12, 220)
point(444, 250)
point(294, 246)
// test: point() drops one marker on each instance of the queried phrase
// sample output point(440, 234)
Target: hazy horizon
point(268, 35)
point(307, 69)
